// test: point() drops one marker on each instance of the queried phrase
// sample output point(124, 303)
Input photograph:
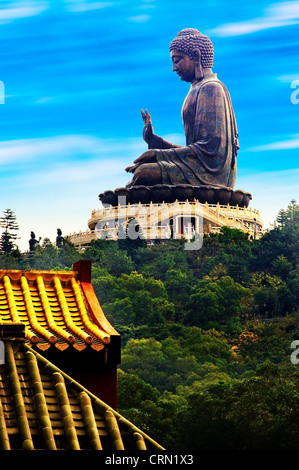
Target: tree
point(279, 241)
point(176, 360)
point(289, 215)
point(132, 390)
point(281, 267)
point(178, 285)
point(117, 262)
point(132, 299)
point(46, 242)
point(157, 260)
point(214, 302)
point(9, 223)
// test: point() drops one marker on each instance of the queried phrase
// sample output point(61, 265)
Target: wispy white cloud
point(106, 162)
point(44, 100)
point(62, 185)
point(66, 146)
point(288, 78)
point(66, 163)
point(276, 15)
point(84, 173)
point(30, 149)
point(79, 6)
point(16, 10)
point(291, 143)
point(140, 18)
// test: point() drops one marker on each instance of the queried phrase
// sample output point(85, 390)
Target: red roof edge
point(83, 267)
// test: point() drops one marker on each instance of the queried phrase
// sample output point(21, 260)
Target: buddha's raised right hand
point(148, 130)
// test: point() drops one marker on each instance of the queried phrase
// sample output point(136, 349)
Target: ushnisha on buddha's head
point(191, 52)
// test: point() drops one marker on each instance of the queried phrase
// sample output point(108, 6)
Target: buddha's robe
point(209, 157)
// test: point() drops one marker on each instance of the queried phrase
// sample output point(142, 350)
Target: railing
point(216, 213)
point(148, 233)
point(152, 220)
point(233, 210)
point(81, 238)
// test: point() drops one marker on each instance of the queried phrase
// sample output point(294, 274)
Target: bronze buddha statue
point(205, 168)
point(209, 156)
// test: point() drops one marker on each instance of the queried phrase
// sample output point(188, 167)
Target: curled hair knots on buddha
point(189, 40)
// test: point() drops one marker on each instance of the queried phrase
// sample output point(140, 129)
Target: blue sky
point(76, 74)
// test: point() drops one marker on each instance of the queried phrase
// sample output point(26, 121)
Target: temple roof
point(56, 307)
point(43, 408)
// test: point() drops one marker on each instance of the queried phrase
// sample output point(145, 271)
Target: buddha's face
point(183, 65)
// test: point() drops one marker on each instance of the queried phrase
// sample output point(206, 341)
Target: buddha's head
point(191, 52)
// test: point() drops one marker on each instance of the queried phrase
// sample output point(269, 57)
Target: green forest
point(207, 356)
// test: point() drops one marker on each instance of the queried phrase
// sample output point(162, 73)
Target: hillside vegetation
point(206, 334)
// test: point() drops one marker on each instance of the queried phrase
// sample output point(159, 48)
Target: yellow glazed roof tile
point(42, 408)
point(56, 309)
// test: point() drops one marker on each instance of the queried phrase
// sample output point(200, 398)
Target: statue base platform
point(162, 193)
point(167, 220)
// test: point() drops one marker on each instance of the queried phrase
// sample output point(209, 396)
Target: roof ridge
point(33, 271)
